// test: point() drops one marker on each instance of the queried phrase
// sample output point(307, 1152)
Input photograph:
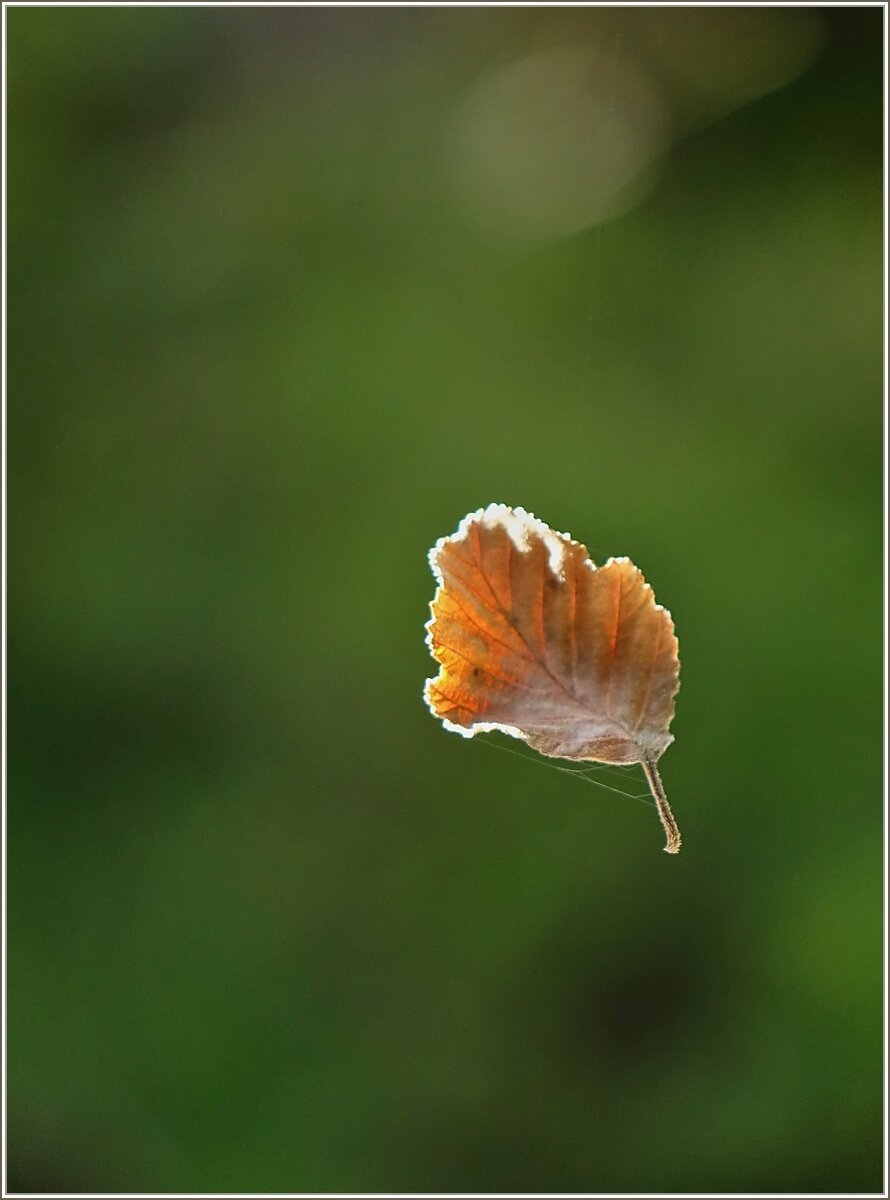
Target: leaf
point(537, 642)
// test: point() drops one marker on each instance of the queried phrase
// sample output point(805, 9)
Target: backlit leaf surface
point(534, 640)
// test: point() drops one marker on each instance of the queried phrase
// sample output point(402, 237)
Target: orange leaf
point(537, 642)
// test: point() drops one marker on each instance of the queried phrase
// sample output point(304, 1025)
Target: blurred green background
point(291, 291)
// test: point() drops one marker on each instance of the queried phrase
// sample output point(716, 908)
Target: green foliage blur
point(271, 928)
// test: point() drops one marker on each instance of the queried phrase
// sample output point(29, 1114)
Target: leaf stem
point(672, 833)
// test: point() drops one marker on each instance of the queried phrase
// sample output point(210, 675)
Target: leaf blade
point(532, 638)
